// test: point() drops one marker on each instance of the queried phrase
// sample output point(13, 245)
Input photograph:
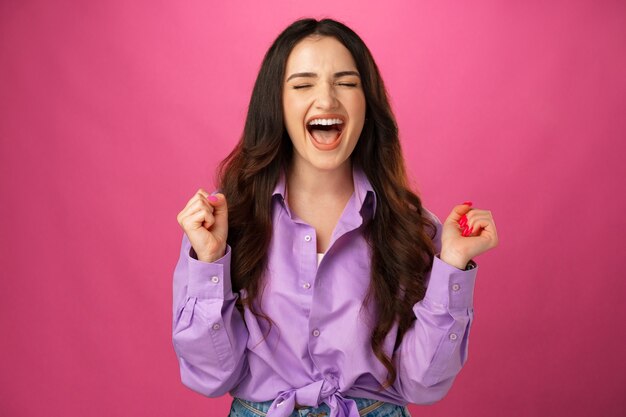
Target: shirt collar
point(281, 185)
point(364, 192)
point(363, 189)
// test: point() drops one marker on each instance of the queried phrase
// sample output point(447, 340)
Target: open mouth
point(326, 132)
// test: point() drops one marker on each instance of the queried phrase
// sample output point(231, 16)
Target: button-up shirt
point(318, 349)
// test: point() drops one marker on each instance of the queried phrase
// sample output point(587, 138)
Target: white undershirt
point(319, 258)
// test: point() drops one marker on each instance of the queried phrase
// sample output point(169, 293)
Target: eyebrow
point(314, 75)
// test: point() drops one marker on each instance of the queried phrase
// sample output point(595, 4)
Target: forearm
point(434, 349)
point(208, 334)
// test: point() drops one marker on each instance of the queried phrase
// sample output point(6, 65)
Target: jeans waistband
point(364, 405)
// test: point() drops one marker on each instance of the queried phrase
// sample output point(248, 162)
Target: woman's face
point(323, 103)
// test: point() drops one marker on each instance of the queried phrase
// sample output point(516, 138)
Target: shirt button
point(316, 332)
point(306, 286)
point(307, 238)
point(215, 279)
point(456, 287)
point(216, 326)
point(453, 336)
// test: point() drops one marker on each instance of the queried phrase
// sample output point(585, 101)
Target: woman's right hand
point(205, 222)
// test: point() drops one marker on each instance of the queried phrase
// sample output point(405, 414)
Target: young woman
point(315, 279)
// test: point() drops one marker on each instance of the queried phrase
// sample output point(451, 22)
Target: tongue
point(325, 136)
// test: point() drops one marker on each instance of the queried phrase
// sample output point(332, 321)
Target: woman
point(315, 278)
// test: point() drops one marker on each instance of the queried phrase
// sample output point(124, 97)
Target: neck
point(306, 180)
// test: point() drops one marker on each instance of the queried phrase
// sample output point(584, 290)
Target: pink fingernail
point(467, 203)
point(463, 221)
point(213, 199)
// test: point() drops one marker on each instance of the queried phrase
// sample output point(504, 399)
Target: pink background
point(112, 114)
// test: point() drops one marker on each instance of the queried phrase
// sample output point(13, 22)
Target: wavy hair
point(400, 233)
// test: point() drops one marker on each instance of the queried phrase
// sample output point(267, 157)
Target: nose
point(326, 97)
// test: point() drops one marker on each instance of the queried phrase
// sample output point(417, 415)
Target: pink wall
point(113, 113)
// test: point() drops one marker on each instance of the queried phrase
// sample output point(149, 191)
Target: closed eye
point(298, 87)
point(348, 84)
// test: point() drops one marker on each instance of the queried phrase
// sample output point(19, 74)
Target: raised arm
point(208, 332)
point(435, 349)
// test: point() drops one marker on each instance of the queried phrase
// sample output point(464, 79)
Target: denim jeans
point(367, 408)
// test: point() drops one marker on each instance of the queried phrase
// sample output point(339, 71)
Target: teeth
point(325, 122)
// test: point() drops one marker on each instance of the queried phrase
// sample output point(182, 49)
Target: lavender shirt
point(319, 349)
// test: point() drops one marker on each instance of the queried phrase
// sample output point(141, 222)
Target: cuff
point(209, 279)
point(450, 286)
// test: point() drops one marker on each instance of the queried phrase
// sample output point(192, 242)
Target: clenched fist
point(205, 222)
point(467, 233)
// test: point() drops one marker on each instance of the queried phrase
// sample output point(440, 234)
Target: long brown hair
point(400, 234)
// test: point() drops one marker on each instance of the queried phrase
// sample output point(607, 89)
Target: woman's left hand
point(459, 244)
